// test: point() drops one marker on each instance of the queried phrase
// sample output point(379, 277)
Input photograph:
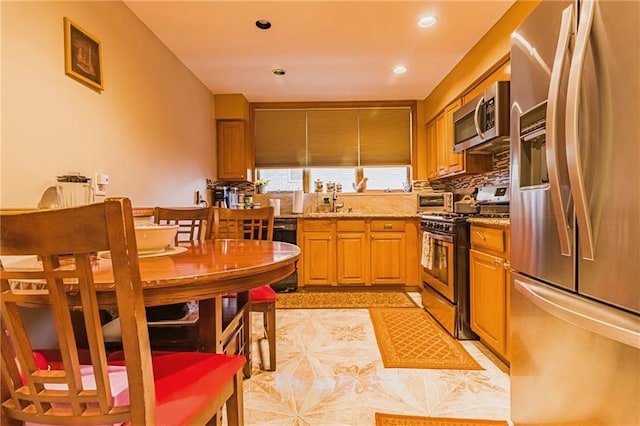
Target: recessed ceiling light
point(426, 21)
point(400, 69)
point(263, 24)
point(278, 71)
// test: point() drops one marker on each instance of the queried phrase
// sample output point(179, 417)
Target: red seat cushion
point(186, 381)
point(263, 294)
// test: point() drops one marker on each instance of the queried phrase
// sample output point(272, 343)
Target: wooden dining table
point(204, 271)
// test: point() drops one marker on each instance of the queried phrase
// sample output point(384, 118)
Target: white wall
point(151, 130)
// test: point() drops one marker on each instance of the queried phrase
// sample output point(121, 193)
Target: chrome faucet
point(334, 204)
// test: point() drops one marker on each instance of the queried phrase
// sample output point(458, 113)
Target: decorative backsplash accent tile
point(466, 184)
point(243, 186)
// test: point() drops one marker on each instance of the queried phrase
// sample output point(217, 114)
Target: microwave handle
point(557, 202)
point(476, 120)
point(574, 162)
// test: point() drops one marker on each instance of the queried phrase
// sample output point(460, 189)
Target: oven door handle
point(445, 238)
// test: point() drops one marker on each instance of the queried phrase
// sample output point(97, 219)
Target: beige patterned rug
point(410, 338)
point(398, 420)
point(344, 299)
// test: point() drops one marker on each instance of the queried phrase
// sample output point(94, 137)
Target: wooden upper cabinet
point(432, 151)
point(442, 161)
point(234, 153)
point(453, 162)
point(501, 73)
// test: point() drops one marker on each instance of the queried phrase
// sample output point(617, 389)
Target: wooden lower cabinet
point(352, 252)
point(318, 266)
point(489, 280)
point(388, 258)
point(356, 252)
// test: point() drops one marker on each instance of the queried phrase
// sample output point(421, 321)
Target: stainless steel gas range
point(444, 262)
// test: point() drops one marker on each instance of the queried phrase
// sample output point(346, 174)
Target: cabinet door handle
point(497, 262)
point(373, 237)
point(388, 226)
point(482, 237)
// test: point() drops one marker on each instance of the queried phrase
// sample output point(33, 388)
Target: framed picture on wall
point(82, 56)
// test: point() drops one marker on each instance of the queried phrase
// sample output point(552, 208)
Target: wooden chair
point(194, 223)
point(172, 333)
point(252, 224)
point(66, 242)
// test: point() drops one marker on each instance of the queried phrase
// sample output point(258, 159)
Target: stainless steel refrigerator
point(575, 214)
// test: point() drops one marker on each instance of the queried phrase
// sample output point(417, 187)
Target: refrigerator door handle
point(476, 120)
point(557, 203)
point(574, 162)
point(594, 317)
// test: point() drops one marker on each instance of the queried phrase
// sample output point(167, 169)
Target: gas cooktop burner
point(445, 217)
point(461, 217)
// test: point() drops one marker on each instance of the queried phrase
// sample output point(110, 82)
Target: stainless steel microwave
point(483, 120)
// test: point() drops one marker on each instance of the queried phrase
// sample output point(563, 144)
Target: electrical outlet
point(100, 184)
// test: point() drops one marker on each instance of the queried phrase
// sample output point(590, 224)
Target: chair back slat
point(243, 224)
point(194, 223)
point(66, 243)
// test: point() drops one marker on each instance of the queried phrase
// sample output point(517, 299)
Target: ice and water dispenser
point(533, 147)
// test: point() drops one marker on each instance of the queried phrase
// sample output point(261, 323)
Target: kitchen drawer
point(391, 225)
point(348, 225)
point(316, 225)
point(490, 238)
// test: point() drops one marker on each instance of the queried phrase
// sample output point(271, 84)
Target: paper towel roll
point(275, 203)
point(298, 201)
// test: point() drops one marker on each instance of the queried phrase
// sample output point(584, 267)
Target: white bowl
point(152, 238)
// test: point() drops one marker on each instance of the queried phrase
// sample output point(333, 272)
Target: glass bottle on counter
point(233, 198)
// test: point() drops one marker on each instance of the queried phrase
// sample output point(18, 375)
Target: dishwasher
point(285, 230)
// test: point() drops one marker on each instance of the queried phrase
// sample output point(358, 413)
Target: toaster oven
point(435, 202)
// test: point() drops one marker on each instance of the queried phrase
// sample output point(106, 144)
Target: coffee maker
point(220, 196)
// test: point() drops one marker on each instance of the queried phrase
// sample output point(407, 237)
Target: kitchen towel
point(426, 259)
point(275, 203)
point(298, 201)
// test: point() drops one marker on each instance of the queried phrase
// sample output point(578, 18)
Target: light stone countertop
point(495, 221)
point(359, 215)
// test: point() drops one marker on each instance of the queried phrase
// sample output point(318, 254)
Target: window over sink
point(299, 143)
point(391, 178)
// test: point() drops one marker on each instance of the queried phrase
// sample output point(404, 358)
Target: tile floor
point(330, 373)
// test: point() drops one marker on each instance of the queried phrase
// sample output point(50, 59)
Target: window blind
point(332, 137)
point(385, 135)
point(280, 138)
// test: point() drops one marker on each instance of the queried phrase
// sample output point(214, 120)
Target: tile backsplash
point(466, 184)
